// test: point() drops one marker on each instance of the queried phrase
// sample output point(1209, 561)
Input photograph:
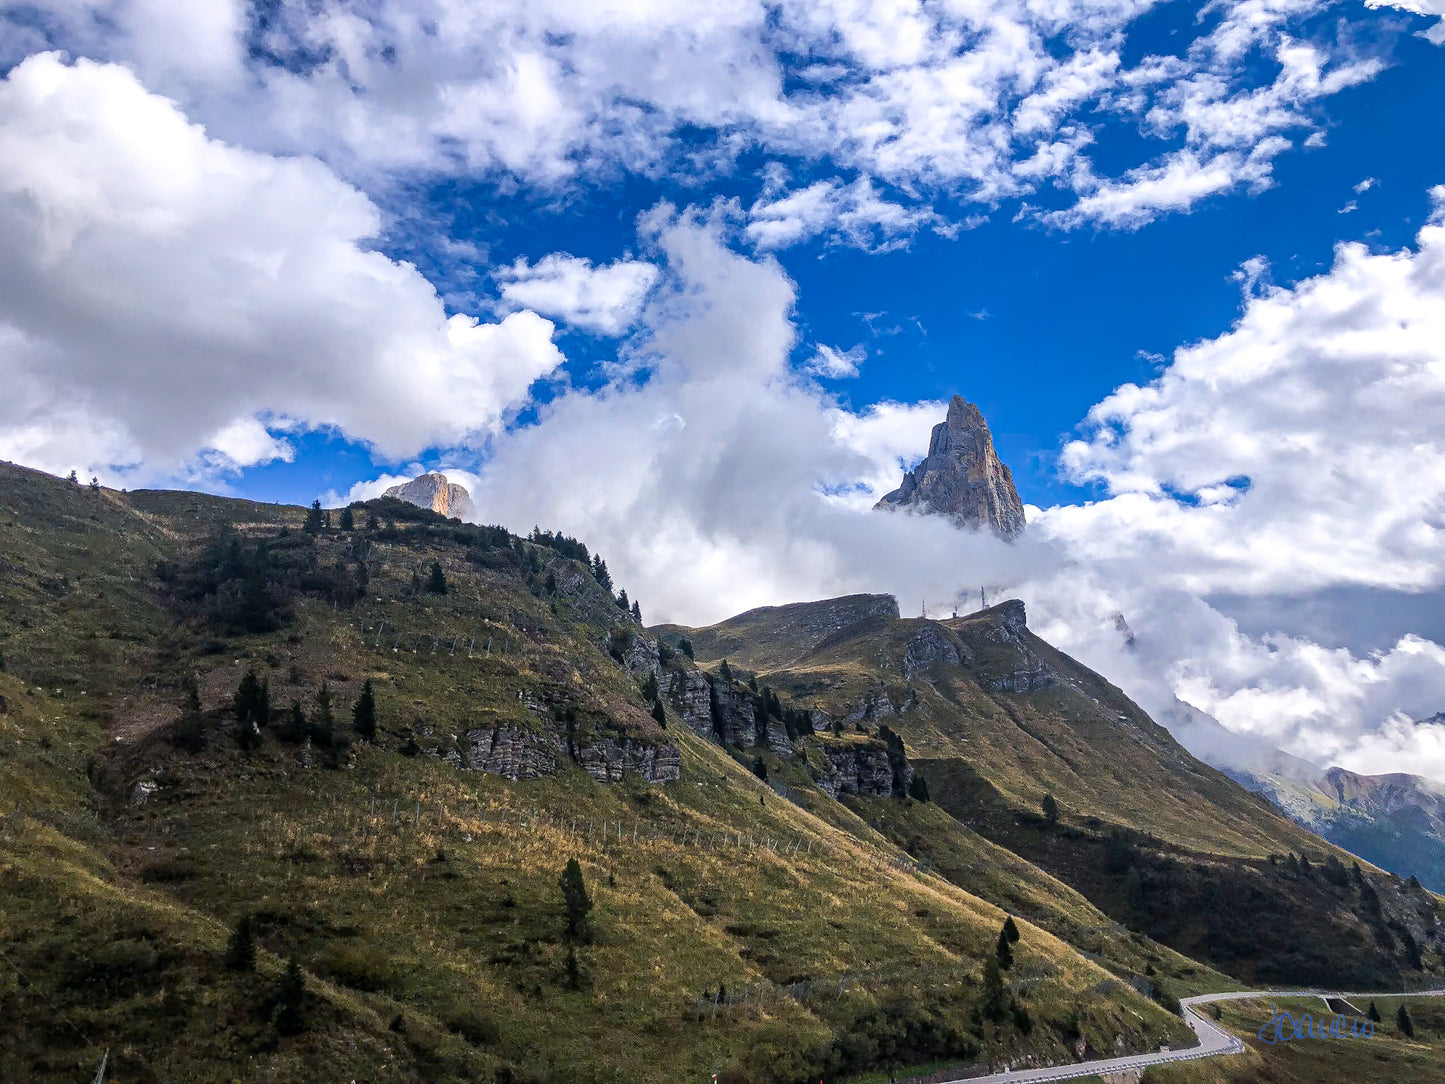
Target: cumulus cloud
point(971, 103)
point(1290, 459)
point(855, 213)
point(171, 303)
point(837, 364)
point(604, 299)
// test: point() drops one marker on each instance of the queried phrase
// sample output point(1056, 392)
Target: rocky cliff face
point(962, 476)
point(691, 697)
point(862, 768)
point(518, 753)
point(734, 722)
point(1006, 661)
point(434, 491)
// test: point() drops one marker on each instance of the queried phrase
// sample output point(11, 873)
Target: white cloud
point(1435, 35)
point(855, 212)
point(1348, 208)
point(829, 361)
point(168, 302)
point(1294, 455)
point(1365, 185)
point(975, 103)
point(1181, 181)
point(604, 299)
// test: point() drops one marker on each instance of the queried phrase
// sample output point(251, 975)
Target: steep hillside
point(1045, 758)
point(149, 800)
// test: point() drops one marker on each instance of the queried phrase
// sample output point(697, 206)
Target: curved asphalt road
point(1213, 1040)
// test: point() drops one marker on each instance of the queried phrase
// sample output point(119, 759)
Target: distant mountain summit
point(962, 476)
point(434, 491)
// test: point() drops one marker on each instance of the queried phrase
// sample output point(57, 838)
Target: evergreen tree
point(649, 687)
point(1304, 866)
point(348, 519)
point(372, 523)
point(760, 769)
point(290, 1017)
point(191, 734)
point(314, 519)
point(2, 662)
point(1404, 1023)
point(1011, 931)
point(600, 573)
point(363, 715)
point(725, 671)
point(74, 480)
point(622, 602)
point(321, 719)
point(240, 947)
point(1374, 1013)
point(685, 646)
point(436, 582)
point(659, 713)
point(1003, 952)
point(636, 612)
point(253, 710)
point(1051, 810)
point(296, 723)
point(574, 973)
point(918, 788)
point(994, 1003)
point(94, 484)
point(551, 583)
point(362, 579)
point(575, 901)
point(753, 685)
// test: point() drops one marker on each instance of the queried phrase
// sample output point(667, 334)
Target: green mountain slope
point(415, 877)
point(997, 720)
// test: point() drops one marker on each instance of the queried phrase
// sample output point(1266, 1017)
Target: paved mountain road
point(1213, 1040)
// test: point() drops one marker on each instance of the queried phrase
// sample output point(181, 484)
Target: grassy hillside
point(732, 931)
point(997, 720)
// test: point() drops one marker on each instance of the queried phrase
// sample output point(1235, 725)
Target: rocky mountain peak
point(962, 476)
point(434, 491)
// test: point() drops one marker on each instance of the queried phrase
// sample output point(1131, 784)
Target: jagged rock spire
point(962, 476)
point(434, 491)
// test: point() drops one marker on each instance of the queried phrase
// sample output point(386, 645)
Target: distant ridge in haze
point(962, 476)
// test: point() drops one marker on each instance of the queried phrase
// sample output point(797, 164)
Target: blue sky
point(1034, 323)
point(693, 280)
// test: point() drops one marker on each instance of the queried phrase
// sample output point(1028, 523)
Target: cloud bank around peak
point(172, 305)
point(712, 486)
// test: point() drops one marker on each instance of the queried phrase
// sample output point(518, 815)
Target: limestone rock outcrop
point(962, 476)
point(519, 753)
point(691, 697)
point(734, 721)
point(434, 491)
point(861, 768)
point(1017, 667)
